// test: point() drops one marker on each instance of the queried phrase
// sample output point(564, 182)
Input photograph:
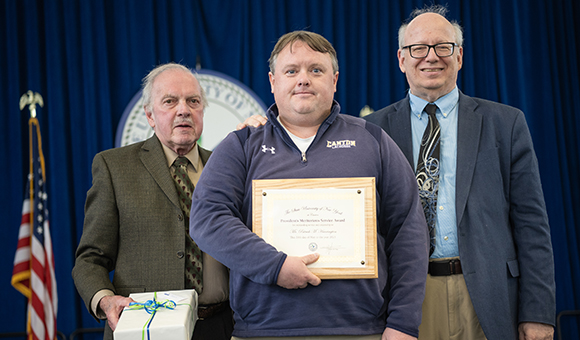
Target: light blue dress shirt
point(446, 227)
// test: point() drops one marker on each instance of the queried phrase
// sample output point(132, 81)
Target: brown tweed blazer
point(133, 225)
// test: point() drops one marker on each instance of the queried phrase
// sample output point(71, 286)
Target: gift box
point(159, 315)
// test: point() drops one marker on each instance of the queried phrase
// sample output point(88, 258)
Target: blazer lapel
point(468, 136)
point(402, 135)
point(204, 154)
point(155, 162)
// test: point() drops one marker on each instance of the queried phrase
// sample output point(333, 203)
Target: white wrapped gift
point(163, 323)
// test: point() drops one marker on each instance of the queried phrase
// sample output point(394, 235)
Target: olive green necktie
point(194, 258)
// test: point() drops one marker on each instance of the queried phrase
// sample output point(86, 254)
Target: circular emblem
point(230, 103)
point(313, 246)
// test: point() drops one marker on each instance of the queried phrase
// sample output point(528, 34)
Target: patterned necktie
point(428, 171)
point(193, 260)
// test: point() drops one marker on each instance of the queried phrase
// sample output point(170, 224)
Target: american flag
point(33, 272)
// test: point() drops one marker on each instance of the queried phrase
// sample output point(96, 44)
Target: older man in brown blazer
point(135, 223)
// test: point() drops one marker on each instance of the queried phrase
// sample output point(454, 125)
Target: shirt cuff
point(95, 303)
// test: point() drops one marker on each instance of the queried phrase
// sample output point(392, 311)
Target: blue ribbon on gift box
point(151, 307)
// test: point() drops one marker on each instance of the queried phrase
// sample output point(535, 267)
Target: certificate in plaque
point(334, 217)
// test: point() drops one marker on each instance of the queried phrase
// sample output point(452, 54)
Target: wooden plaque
point(335, 217)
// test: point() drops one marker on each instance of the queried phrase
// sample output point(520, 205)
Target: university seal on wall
point(230, 102)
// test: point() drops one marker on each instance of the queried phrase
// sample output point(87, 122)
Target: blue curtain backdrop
point(87, 58)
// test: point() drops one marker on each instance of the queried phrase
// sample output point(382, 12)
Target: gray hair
point(437, 9)
point(149, 79)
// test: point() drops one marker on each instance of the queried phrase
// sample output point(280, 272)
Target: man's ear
point(271, 76)
point(401, 58)
point(149, 116)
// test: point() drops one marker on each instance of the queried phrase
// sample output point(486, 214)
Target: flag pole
point(33, 274)
point(31, 99)
point(21, 274)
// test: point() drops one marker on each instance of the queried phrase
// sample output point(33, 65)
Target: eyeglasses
point(420, 51)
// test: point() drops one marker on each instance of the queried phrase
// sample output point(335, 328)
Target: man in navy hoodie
point(274, 294)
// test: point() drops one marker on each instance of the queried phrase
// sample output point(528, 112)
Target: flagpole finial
point(31, 99)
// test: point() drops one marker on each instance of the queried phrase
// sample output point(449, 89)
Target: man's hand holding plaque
point(294, 273)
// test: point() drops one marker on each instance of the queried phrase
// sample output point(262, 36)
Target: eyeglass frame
point(429, 47)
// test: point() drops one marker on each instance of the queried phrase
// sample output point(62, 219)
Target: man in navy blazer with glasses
point(491, 274)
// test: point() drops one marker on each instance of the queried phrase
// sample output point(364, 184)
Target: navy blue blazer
point(503, 232)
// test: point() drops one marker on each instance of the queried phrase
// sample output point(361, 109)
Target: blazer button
point(180, 217)
point(180, 254)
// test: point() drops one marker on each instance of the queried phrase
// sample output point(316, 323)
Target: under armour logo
point(272, 149)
